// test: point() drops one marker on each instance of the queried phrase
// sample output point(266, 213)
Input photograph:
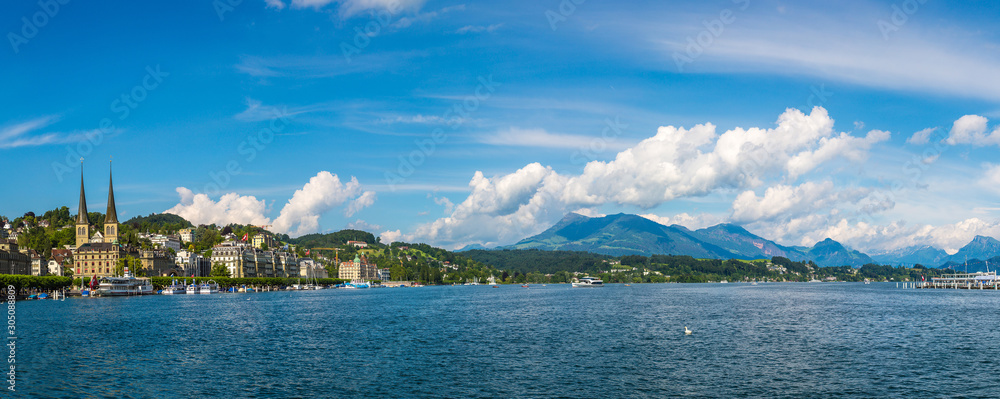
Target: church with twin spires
point(98, 255)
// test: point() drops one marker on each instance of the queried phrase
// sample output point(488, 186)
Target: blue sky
point(455, 122)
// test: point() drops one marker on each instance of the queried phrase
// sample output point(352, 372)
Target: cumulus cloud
point(896, 235)
point(366, 199)
point(322, 193)
point(971, 129)
point(300, 215)
point(675, 163)
point(922, 137)
point(230, 208)
point(519, 137)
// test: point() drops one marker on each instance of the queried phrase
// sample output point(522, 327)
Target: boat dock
point(963, 281)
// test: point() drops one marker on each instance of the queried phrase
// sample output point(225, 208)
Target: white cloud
point(24, 134)
point(299, 216)
point(835, 44)
point(675, 163)
point(366, 199)
point(971, 129)
point(350, 8)
point(478, 29)
point(449, 206)
point(782, 201)
point(425, 119)
point(424, 17)
point(845, 145)
point(949, 237)
point(922, 137)
point(322, 193)
point(517, 137)
point(391, 236)
point(695, 222)
point(230, 208)
point(275, 4)
point(364, 226)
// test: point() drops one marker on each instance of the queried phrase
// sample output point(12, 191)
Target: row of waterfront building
point(98, 254)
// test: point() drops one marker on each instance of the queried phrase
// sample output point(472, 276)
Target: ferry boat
point(588, 282)
point(210, 287)
point(125, 285)
point(192, 289)
point(173, 289)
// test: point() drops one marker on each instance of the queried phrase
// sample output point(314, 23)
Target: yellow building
point(360, 269)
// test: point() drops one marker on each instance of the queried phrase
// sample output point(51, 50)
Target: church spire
point(81, 216)
point(112, 215)
point(82, 221)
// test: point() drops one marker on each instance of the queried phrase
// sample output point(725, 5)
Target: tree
point(219, 270)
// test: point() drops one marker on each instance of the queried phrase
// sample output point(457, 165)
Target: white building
point(188, 235)
point(55, 268)
point(166, 241)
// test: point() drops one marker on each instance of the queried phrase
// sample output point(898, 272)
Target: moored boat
point(587, 282)
point(124, 286)
point(209, 287)
point(173, 289)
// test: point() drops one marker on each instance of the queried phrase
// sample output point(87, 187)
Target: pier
point(966, 281)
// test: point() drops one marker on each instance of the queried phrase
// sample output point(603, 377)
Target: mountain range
point(625, 234)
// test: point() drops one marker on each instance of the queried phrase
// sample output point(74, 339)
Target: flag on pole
point(307, 252)
point(246, 236)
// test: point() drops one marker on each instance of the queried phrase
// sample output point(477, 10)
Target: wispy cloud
point(518, 137)
point(478, 29)
point(256, 111)
point(349, 8)
point(26, 134)
point(838, 45)
point(423, 17)
point(320, 66)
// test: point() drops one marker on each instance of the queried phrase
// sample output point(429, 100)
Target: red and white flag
point(307, 252)
point(246, 236)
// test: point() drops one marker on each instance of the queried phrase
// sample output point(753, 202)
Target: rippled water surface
point(768, 340)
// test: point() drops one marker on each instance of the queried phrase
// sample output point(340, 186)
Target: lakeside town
point(161, 252)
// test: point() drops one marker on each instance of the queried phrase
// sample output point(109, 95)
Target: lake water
point(768, 340)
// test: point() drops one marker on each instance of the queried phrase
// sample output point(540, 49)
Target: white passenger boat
point(123, 286)
point(209, 287)
point(588, 282)
point(192, 289)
